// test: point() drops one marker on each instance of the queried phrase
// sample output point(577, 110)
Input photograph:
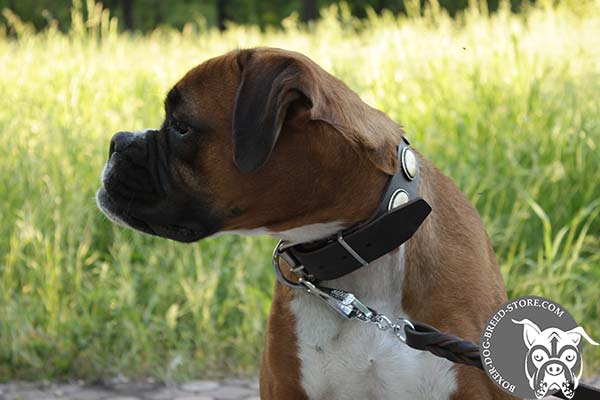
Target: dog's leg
point(280, 368)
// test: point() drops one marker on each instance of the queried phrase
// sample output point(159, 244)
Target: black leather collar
point(398, 216)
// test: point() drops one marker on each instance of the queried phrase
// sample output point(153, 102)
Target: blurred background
point(502, 95)
point(146, 15)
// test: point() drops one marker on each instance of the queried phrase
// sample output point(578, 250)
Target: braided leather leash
point(423, 337)
point(427, 338)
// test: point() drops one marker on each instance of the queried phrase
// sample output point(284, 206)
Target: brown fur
point(280, 367)
point(332, 156)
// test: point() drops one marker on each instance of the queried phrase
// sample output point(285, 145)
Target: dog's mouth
point(119, 215)
point(554, 386)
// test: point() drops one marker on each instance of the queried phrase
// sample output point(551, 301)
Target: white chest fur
point(349, 360)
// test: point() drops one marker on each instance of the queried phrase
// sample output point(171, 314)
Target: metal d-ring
point(401, 335)
point(277, 253)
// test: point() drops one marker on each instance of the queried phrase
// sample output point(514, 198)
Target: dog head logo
point(553, 360)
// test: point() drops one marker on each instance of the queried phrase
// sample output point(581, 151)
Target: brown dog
point(266, 141)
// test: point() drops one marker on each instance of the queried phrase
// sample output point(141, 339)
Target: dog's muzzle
point(554, 375)
point(134, 169)
point(137, 190)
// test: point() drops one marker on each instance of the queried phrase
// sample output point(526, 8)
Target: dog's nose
point(554, 369)
point(119, 142)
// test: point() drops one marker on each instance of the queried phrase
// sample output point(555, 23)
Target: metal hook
point(277, 253)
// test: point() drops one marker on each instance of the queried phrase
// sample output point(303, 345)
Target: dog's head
point(260, 138)
point(553, 360)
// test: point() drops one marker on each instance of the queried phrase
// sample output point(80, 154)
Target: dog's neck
point(380, 283)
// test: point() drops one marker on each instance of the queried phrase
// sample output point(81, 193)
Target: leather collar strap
point(398, 216)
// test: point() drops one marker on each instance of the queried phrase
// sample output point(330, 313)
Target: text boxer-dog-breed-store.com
point(266, 141)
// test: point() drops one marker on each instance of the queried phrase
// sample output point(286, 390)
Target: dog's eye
point(569, 355)
point(538, 355)
point(180, 127)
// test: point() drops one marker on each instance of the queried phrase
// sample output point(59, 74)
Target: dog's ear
point(269, 87)
point(577, 333)
point(273, 83)
point(530, 331)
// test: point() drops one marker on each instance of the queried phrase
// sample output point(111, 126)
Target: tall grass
point(507, 105)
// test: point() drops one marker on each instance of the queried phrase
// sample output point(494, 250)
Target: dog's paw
point(542, 389)
point(539, 393)
point(568, 389)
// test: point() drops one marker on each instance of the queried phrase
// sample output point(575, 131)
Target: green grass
point(507, 105)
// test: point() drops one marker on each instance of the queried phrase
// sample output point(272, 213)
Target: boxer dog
point(553, 360)
point(265, 141)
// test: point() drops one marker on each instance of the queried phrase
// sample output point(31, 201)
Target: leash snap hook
point(345, 303)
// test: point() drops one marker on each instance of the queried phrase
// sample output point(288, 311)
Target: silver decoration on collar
point(399, 197)
point(409, 163)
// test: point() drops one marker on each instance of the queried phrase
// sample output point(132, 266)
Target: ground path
point(121, 390)
point(194, 390)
